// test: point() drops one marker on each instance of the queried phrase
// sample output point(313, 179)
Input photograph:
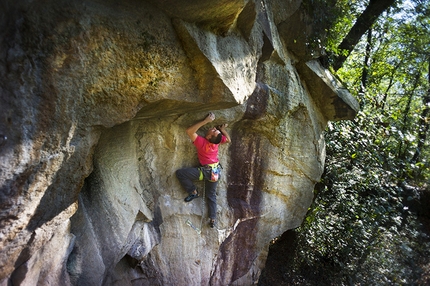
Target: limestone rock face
point(95, 97)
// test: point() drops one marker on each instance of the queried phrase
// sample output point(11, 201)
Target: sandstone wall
point(95, 98)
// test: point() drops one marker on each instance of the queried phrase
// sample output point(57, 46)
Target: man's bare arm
point(192, 130)
point(224, 132)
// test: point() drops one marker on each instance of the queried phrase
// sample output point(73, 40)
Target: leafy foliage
point(369, 223)
point(363, 226)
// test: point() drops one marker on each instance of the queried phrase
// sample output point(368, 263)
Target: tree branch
point(363, 23)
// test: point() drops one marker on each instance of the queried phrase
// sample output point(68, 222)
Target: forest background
point(370, 221)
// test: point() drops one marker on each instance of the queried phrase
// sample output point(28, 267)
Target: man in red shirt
point(209, 170)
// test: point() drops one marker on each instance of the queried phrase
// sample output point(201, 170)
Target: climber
point(209, 170)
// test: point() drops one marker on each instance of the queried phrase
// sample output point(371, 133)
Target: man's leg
point(186, 176)
point(210, 188)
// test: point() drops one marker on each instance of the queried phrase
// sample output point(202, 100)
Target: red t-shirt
point(207, 152)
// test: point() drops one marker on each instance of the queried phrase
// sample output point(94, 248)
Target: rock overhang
point(334, 100)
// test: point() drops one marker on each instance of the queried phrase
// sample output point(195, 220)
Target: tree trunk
point(424, 123)
point(366, 67)
point(390, 84)
point(403, 150)
point(363, 23)
point(366, 64)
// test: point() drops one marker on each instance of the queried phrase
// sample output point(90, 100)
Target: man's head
point(213, 135)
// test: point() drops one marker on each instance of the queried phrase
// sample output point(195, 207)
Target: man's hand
point(222, 127)
point(210, 117)
point(191, 131)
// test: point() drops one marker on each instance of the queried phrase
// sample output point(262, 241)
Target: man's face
point(212, 132)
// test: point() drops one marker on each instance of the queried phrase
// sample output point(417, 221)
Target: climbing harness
point(215, 171)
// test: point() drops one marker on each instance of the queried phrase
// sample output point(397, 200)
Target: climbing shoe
point(191, 197)
point(212, 223)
